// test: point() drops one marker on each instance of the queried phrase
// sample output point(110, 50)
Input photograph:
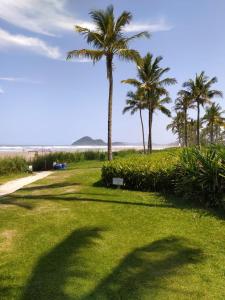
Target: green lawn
point(65, 237)
point(6, 178)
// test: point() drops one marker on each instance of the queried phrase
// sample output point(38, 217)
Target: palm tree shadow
point(145, 269)
point(54, 269)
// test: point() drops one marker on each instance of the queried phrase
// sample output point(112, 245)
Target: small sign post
point(118, 182)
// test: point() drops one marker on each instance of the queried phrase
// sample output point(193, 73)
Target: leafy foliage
point(155, 172)
point(201, 175)
point(45, 162)
point(194, 174)
point(12, 165)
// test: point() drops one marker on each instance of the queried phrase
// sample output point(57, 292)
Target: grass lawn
point(65, 237)
point(6, 178)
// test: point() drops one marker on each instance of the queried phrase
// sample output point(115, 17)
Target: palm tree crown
point(135, 102)
point(200, 90)
point(108, 40)
point(183, 103)
point(151, 81)
point(213, 117)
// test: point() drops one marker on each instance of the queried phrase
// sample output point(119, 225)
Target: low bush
point(201, 175)
point(155, 172)
point(12, 165)
point(197, 175)
point(45, 162)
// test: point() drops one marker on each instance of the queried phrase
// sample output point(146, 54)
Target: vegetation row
point(13, 165)
point(194, 174)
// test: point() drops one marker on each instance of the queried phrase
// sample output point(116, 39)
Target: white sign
point(118, 181)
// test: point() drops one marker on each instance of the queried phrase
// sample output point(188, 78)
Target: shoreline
point(28, 152)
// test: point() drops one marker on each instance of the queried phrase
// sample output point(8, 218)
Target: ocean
point(58, 148)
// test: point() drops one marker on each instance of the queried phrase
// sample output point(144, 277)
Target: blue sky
point(47, 100)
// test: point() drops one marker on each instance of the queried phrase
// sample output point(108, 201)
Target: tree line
point(109, 40)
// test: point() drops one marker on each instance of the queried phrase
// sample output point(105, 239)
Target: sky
point(47, 100)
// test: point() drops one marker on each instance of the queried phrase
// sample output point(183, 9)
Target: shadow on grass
point(145, 270)
point(50, 186)
point(76, 198)
point(182, 203)
point(7, 285)
point(9, 200)
point(62, 263)
point(172, 201)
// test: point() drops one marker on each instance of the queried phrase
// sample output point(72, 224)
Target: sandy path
point(14, 185)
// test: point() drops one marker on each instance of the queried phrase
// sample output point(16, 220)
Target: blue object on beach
point(59, 166)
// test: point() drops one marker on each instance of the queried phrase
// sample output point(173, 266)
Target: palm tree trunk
point(150, 129)
point(185, 129)
point(143, 132)
point(198, 124)
point(110, 79)
point(211, 134)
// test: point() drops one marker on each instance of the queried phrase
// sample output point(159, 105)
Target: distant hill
point(88, 141)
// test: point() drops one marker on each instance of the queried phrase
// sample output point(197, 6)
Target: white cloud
point(35, 15)
point(1, 91)
point(160, 25)
point(8, 40)
point(19, 79)
point(52, 16)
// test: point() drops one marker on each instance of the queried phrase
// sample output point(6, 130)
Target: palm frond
point(123, 20)
point(132, 81)
point(168, 81)
point(165, 110)
point(142, 34)
point(94, 55)
point(128, 54)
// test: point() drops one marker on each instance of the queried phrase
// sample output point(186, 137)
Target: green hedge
point(155, 172)
point(197, 175)
point(12, 165)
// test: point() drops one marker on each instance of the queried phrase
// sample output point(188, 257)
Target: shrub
point(155, 172)
point(201, 175)
point(12, 165)
point(192, 173)
point(45, 162)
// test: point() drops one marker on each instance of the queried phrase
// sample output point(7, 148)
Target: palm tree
point(135, 103)
point(150, 75)
point(183, 103)
point(213, 117)
point(200, 91)
point(108, 40)
point(176, 126)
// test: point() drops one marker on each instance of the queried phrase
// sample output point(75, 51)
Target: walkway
point(14, 185)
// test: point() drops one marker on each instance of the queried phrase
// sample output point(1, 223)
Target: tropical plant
point(151, 81)
point(108, 40)
point(201, 175)
point(183, 103)
point(213, 117)
point(135, 103)
point(201, 92)
point(177, 126)
point(155, 172)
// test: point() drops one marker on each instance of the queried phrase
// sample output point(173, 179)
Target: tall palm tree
point(183, 103)
point(213, 117)
point(108, 40)
point(201, 92)
point(150, 77)
point(176, 126)
point(135, 103)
